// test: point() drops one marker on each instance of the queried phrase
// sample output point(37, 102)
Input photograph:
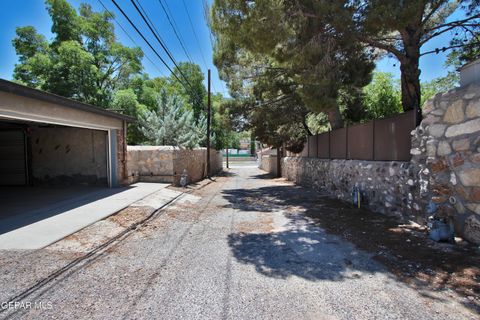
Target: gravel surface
point(224, 251)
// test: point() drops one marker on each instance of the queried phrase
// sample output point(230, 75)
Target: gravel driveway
point(222, 252)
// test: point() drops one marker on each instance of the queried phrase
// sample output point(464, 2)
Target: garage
point(34, 154)
point(55, 151)
point(46, 139)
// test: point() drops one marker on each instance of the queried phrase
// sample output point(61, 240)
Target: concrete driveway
point(240, 248)
point(49, 215)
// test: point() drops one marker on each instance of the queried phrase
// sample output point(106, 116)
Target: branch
point(457, 23)
point(429, 15)
point(449, 48)
point(284, 97)
point(371, 42)
point(450, 27)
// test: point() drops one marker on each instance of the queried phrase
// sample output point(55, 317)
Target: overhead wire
point(194, 33)
point(155, 28)
point(196, 39)
point(146, 19)
point(152, 48)
point(163, 45)
point(177, 34)
point(212, 41)
point(130, 37)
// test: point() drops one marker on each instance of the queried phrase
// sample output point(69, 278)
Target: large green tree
point(273, 42)
point(402, 28)
point(83, 61)
point(382, 96)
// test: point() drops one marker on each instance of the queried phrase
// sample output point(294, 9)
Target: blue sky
point(15, 13)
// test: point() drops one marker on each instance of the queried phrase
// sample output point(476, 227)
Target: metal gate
point(12, 158)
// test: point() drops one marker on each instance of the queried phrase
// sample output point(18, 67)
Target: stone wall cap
point(152, 148)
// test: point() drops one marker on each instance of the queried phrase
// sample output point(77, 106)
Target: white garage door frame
point(111, 141)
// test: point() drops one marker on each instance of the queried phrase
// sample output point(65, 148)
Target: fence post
point(308, 146)
point(329, 152)
point(373, 140)
point(346, 142)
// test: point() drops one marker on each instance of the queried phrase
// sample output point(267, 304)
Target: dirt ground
point(406, 249)
point(247, 246)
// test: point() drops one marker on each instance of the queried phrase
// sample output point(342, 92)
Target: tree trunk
point(279, 162)
point(410, 77)
point(335, 118)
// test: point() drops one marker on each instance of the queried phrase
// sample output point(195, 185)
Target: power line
point(194, 33)
point(196, 38)
point(164, 47)
point(130, 37)
point(144, 39)
point(212, 42)
point(156, 33)
point(153, 49)
point(177, 35)
point(175, 26)
point(153, 25)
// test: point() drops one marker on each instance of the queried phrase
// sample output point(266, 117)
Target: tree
point(401, 28)
point(33, 56)
point(441, 84)
point(171, 124)
point(84, 61)
point(193, 91)
point(271, 44)
point(65, 22)
point(464, 50)
point(382, 97)
point(125, 101)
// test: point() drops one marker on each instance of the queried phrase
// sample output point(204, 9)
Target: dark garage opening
point(45, 165)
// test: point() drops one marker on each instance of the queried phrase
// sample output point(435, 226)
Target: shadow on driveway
point(305, 251)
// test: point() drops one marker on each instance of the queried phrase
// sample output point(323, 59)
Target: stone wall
point(444, 172)
point(269, 163)
point(386, 186)
point(446, 149)
point(121, 158)
point(166, 163)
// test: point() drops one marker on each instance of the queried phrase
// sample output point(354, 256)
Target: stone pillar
point(121, 157)
point(446, 153)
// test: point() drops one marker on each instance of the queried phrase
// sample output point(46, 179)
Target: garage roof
point(21, 90)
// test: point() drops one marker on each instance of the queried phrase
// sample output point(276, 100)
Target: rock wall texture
point(444, 172)
point(121, 158)
point(385, 186)
point(446, 149)
point(269, 163)
point(166, 163)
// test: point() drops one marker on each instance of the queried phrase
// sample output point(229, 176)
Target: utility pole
point(227, 156)
point(208, 125)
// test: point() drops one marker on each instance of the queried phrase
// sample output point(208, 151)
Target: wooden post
point(227, 157)
point(279, 157)
point(208, 126)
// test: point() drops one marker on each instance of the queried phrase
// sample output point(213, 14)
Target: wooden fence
point(378, 140)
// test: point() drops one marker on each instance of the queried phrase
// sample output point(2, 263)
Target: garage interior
point(45, 165)
point(63, 166)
